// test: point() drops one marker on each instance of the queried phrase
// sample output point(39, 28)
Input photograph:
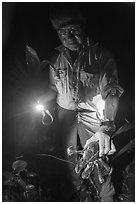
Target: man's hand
point(106, 145)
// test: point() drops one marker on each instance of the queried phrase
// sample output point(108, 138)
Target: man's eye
point(63, 32)
point(75, 30)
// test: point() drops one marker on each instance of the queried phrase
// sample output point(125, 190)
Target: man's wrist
point(109, 123)
point(107, 127)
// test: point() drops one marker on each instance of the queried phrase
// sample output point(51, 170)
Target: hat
point(66, 15)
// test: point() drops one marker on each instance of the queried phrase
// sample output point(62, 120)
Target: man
point(86, 82)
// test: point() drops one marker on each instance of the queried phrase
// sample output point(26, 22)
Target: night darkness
point(110, 24)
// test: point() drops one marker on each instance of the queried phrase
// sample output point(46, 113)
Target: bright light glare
point(40, 107)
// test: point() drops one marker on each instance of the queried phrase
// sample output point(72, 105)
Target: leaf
point(33, 62)
point(32, 52)
point(124, 128)
point(127, 147)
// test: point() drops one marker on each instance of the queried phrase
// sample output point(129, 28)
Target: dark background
point(110, 24)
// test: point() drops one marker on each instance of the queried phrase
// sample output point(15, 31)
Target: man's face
point(71, 36)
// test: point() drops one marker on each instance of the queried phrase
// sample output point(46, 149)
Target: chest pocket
point(88, 79)
point(90, 83)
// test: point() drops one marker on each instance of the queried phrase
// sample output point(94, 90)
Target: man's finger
point(88, 142)
point(113, 148)
point(107, 145)
point(101, 146)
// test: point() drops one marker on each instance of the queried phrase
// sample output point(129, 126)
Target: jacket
point(85, 84)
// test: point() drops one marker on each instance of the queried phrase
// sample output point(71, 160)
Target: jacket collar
point(61, 48)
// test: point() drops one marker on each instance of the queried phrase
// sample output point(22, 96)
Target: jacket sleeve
point(108, 81)
point(52, 74)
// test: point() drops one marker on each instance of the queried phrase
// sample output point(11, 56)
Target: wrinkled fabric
point(84, 85)
point(107, 191)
